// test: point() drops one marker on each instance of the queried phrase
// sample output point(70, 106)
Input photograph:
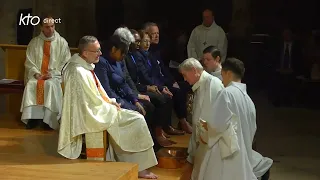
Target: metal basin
point(172, 157)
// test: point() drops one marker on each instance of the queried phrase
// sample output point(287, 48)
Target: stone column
point(80, 20)
point(8, 20)
point(77, 17)
point(50, 6)
point(134, 13)
point(241, 17)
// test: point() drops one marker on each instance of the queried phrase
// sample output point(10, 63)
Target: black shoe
point(32, 123)
point(45, 126)
point(266, 175)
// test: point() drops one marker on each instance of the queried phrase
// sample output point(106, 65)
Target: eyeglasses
point(145, 41)
point(97, 51)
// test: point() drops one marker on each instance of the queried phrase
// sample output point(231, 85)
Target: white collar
point(241, 86)
point(52, 38)
point(76, 58)
point(201, 80)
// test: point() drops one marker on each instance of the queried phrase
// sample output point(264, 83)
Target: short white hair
point(124, 33)
point(189, 64)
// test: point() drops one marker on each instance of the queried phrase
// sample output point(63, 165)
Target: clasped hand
point(167, 91)
point(141, 109)
point(117, 105)
point(143, 97)
point(42, 77)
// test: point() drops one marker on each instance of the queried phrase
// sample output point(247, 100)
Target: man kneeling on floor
point(88, 109)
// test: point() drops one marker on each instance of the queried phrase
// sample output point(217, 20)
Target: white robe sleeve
point(219, 119)
point(223, 44)
point(63, 58)
point(192, 147)
point(212, 90)
point(30, 64)
point(191, 47)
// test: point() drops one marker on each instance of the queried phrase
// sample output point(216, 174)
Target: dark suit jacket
point(112, 78)
point(296, 58)
point(128, 78)
point(155, 52)
point(148, 70)
point(132, 67)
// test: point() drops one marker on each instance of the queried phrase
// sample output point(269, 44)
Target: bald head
point(207, 17)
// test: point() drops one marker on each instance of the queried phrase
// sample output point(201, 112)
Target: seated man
point(42, 97)
point(162, 102)
point(178, 90)
point(150, 73)
point(87, 109)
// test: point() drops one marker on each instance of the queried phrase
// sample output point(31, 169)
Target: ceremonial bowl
point(172, 157)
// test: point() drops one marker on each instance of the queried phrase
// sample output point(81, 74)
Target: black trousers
point(282, 88)
point(162, 109)
point(180, 99)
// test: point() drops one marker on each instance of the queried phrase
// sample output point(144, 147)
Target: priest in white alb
point(207, 34)
point(226, 151)
point(212, 61)
point(87, 109)
point(206, 88)
point(45, 57)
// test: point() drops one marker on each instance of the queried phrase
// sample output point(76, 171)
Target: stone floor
point(290, 136)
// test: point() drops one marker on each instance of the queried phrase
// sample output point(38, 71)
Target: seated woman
point(111, 71)
point(150, 73)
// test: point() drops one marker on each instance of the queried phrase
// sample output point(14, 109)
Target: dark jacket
point(148, 70)
point(155, 52)
point(297, 64)
point(132, 67)
point(112, 78)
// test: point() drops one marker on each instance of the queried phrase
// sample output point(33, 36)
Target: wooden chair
point(95, 145)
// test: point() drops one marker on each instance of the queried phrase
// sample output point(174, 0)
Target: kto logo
point(35, 20)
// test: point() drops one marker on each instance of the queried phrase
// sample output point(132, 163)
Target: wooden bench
point(14, 87)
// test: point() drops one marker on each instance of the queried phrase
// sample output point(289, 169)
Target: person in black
point(162, 102)
point(163, 77)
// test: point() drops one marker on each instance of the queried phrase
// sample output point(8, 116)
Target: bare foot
point(164, 141)
point(185, 126)
point(147, 175)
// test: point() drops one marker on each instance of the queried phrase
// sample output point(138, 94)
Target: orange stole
point(44, 70)
point(103, 95)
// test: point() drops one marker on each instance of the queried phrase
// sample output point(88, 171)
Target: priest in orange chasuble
point(45, 57)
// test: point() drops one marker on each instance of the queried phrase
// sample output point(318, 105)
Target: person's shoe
point(266, 175)
point(32, 123)
point(165, 134)
point(185, 126)
point(45, 126)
